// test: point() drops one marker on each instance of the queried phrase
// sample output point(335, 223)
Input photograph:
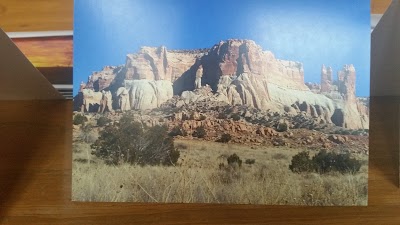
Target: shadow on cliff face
point(338, 118)
point(186, 82)
point(212, 71)
point(78, 102)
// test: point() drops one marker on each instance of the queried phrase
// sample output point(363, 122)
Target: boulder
point(106, 102)
point(123, 99)
point(283, 125)
point(91, 100)
point(337, 139)
point(148, 94)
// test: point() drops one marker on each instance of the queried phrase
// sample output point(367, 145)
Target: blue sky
point(313, 32)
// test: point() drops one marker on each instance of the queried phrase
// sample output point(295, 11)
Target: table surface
point(35, 159)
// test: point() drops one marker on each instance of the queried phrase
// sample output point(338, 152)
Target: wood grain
point(35, 178)
point(379, 6)
point(36, 15)
point(47, 51)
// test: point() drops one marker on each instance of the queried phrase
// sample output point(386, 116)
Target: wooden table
point(35, 162)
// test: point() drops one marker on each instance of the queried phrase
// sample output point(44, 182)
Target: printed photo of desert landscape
point(258, 102)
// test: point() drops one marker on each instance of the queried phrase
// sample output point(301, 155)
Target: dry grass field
point(202, 175)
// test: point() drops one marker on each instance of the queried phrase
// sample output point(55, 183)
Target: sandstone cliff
point(99, 81)
point(238, 72)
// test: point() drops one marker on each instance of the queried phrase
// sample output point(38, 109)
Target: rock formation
point(347, 83)
point(106, 102)
point(123, 99)
point(326, 79)
point(91, 100)
point(237, 72)
point(148, 94)
point(99, 81)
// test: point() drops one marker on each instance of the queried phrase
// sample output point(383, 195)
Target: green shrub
point(234, 160)
point(86, 135)
point(222, 116)
point(225, 138)
point(283, 126)
point(80, 119)
point(102, 121)
point(359, 132)
point(131, 142)
point(200, 132)
point(301, 163)
point(250, 161)
point(346, 132)
point(324, 162)
point(203, 117)
point(235, 117)
point(176, 131)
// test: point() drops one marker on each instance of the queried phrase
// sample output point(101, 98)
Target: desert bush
point(176, 131)
point(222, 116)
point(79, 119)
point(133, 143)
point(235, 117)
point(301, 163)
point(231, 172)
point(203, 117)
point(360, 132)
point(102, 121)
point(250, 161)
point(86, 134)
point(324, 162)
point(229, 175)
point(228, 111)
point(200, 132)
point(77, 147)
point(225, 138)
point(345, 132)
point(337, 132)
point(282, 127)
point(234, 160)
point(80, 160)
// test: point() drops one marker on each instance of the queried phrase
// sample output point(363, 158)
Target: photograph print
point(230, 102)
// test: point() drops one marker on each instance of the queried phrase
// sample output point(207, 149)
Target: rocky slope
point(238, 72)
point(244, 125)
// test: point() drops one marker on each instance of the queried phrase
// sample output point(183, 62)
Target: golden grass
point(197, 178)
